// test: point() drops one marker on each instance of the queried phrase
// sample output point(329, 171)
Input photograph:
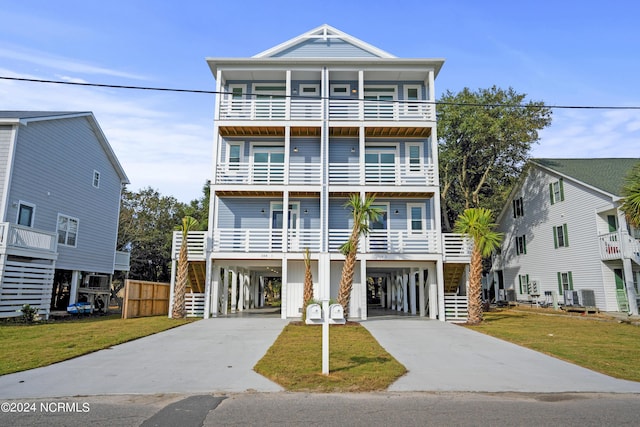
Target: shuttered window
point(556, 191)
point(560, 236)
point(521, 245)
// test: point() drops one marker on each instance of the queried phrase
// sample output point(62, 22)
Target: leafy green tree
point(484, 139)
point(631, 193)
point(363, 213)
point(147, 221)
point(182, 277)
point(478, 224)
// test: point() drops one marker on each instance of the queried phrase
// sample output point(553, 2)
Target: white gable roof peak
point(324, 32)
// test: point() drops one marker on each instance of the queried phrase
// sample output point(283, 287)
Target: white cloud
point(591, 133)
point(162, 140)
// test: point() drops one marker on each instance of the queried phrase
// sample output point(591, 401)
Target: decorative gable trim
point(325, 32)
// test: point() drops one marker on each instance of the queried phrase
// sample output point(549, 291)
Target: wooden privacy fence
point(145, 299)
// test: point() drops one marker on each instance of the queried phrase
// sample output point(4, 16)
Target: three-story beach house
point(60, 186)
point(298, 128)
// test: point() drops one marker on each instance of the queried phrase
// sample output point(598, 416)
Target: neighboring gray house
point(298, 128)
point(60, 187)
point(565, 235)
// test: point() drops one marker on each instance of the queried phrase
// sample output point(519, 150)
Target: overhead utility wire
point(213, 92)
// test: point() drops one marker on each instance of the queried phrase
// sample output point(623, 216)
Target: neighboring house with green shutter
point(564, 234)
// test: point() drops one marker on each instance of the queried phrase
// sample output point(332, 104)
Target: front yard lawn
point(603, 345)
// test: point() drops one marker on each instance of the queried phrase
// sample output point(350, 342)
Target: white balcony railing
point(301, 240)
point(196, 245)
point(382, 174)
point(305, 173)
point(389, 241)
point(619, 245)
point(250, 173)
point(21, 237)
point(247, 240)
point(122, 261)
point(311, 109)
point(457, 247)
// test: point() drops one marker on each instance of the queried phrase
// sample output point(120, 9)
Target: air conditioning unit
point(588, 297)
point(534, 287)
point(571, 298)
point(511, 294)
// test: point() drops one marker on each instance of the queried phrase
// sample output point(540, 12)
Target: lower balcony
point(20, 238)
point(457, 248)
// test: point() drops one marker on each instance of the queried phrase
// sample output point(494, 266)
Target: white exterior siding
point(542, 261)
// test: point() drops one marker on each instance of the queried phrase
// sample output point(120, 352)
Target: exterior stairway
point(452, 275)
point(197, 275)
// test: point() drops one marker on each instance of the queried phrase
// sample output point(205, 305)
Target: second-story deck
point(399, 174)
point(311, 110)
point(25, 240)
point(454, 247)
point(619, 245)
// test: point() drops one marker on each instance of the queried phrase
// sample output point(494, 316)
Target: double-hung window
point(523, 283)
point(417, 218)
point(96, 179)
point(560, 236)
point(565, 282)
point(67, 230)
point(414, 157)
point(556, 191)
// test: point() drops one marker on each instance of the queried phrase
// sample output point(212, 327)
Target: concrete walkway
point(218, 355)
point(445, 357)
point(201, 357)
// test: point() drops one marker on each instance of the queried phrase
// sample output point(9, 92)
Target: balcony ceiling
point(265, 193)
point(370, 132)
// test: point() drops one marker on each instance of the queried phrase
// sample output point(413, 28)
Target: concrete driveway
point(218, 355)
point(201, 357)
point(446, 357)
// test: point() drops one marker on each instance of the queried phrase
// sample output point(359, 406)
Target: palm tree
point(182, 278)
point(363, 213)
point(631, 192)
point(478, 224)
point(308, 284)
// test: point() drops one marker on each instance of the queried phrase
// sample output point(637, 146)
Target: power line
point(213, 92)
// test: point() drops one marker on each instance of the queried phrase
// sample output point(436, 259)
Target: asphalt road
point(299, 409)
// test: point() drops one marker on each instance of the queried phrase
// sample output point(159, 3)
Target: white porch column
point(172, 287)
point(285, 221)
point(215, 284)
point(628, 281)
point(225, 291)
point(432, 287)
point(440, 286)
point(207, 288)
point(284, 288)
point(405, 292)
point(241, 275)
point(363, 281)
point(234, 290)
point(73, 291)
point(422, 297)
point(389, 295)
point(412, 291)
point(261, 290)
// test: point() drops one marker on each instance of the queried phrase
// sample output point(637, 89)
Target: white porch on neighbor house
point(619, 245)
point(306, 109)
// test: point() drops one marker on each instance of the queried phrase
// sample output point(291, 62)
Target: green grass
point(357, 363)
point(609, 347)
point(32, 346)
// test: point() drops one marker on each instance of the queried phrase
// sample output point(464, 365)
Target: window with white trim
point(26, 212)
point(417, 219)
point(96, 179)
point(67, 230)
point(523, 283)
point(340, 91)
point(234, 155)
point(556, 191)
point(309, 90)
point(565, 282)
point(414, 156)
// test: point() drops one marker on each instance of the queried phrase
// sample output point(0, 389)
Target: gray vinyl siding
point(53, 169)
point(321, 48)
point(308, 150)
point(247, 213)
point(6, 133)
point(339, 216)
point(340, 150)
point(542, 260)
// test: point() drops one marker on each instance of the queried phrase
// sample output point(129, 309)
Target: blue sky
point(560, 52)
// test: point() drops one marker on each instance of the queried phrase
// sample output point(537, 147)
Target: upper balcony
point(312, 110)
point(27, 240)
point(341, 174)
point(619, 245)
